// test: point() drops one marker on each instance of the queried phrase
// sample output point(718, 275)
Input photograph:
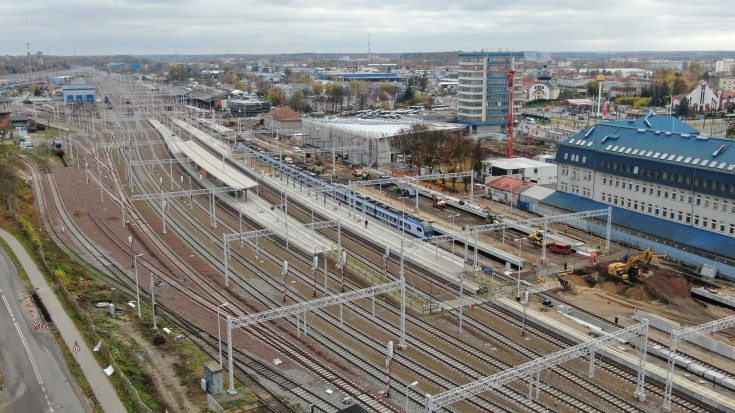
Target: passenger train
point(397, 219)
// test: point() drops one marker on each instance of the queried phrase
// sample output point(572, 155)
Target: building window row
point(667, 213)
point(677, 195)
point(575, 157)
point(664, 175)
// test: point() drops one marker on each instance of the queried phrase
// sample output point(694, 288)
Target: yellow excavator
point(537, 238)
point(632, 265)
point(491, 218)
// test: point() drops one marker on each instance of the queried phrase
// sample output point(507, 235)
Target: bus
point(440, 108)
point(537, 118)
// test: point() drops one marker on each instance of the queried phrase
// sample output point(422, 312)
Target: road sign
point(76, 349)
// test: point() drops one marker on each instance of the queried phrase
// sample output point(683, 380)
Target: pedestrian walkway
point(103, 390)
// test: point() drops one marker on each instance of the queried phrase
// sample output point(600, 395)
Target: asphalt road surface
point(36, 379)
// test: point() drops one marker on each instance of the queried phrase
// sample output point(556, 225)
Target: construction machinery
point(633, 265)
point(537, 238)
point(491, 218)
point(438, 202)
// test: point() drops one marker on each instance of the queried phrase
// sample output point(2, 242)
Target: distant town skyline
point(86, 27)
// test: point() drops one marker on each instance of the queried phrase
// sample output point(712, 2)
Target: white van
point(26, 145)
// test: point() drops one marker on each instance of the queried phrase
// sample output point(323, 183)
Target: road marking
point(30, 356)
point(7, 305)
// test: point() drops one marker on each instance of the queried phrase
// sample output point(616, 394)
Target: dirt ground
point(160, 369)
point(664, 292)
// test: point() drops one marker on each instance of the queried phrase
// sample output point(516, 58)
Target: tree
point(276, 97)
point(335, 94)
point(357, 89)
point(392, 89)
point(656, 100)
point(593, 88)
point(423, 82)
point(231, 77)
point(298, 102)
point(642, 102)
point(317, 88)
point(10, 183)
point(449, 151)
point(177, 73)
point(408, 93)
point(680, 86)
point(683, 110)
point(730, 133)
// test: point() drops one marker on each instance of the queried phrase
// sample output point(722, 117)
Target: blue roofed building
point(665, 181)
point(79, 93)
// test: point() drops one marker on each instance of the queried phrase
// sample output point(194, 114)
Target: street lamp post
point(403, 224)
point(137, 289)
point(153, 302)
point(520, 263)
point(219, 336)
point(453, 216)
point(130, 240)
point(408, 386)
point(525, 305)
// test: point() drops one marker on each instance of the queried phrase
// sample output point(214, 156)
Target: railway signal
point(389, 358)
point(385, 261)
point(284, 271)
point(314, 267)
point(341, 265)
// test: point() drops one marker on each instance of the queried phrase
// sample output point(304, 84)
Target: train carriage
point(381, 212)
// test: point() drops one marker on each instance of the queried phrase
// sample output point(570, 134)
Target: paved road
point(49, 369)
point(35, 375)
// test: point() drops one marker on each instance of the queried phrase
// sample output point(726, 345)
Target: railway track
point(215, 262)
point(575, 403)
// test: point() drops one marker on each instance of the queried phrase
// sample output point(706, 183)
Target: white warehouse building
point(528, 170)
point(375, 134)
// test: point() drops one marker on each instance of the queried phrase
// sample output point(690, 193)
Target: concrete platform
point(720, 298)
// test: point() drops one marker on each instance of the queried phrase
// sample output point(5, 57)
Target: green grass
point(47, 134)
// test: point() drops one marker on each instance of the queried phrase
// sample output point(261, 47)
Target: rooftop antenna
point(28, 48)
point(369, 56)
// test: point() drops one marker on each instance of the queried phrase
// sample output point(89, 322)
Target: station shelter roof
point(201, 155)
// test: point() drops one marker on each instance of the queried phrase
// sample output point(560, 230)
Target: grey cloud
point(199, 26)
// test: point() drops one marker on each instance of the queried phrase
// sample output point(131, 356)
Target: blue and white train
point(397, 219)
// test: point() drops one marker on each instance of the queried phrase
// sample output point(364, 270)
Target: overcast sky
point(103, 27)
